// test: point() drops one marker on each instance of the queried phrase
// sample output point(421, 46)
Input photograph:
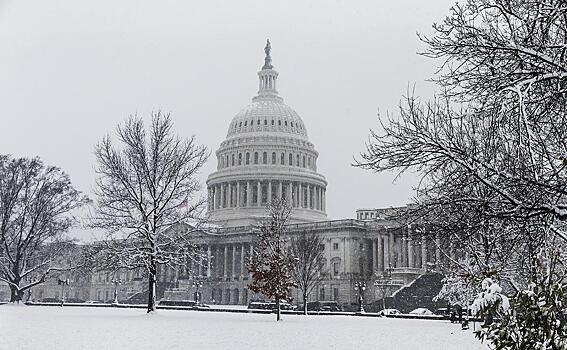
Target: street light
point(63, 283)
point(360, 287)
point(197, 284)
point(116, 282)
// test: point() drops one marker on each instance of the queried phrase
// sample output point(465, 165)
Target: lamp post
point(116, 283)
point(385, 283)
point(63, 283)
point(360, 287)
point(197, 284)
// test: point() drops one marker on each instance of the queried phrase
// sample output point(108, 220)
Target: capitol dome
point(266, 155)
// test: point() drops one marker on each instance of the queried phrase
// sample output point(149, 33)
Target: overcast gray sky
point(70, 71)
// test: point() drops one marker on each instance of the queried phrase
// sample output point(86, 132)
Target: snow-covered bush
point(532, 321)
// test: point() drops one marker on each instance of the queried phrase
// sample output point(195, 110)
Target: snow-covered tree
point(271, 264)
point(307, 251)
point(36, 203)
point(533, 321)
point(145, 189)
point(492, 147)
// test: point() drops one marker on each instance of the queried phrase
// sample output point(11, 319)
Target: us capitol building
point(267, 155)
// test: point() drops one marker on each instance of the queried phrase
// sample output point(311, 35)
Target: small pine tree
point(533, 321)
point(270, 264)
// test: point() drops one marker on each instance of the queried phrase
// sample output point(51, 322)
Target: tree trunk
point(278, 311)
point(305, 303)
point(152, 286)
point(15, 295)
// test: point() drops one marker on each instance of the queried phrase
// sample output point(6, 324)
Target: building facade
point(267, 155)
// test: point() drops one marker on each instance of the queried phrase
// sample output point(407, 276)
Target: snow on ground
point(51, 327)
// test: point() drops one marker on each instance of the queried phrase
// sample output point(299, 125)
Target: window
point(335, 293)
point(361, 246)
point(322, 293)
point(335, 246)
point(336, 266)
point(273, 157)
point(265, 121)
point(361, 266)
point(252, 122)
point(258, 122)
point(286, 123)
point(232, 157)
point(282, 159)
point(265, 158)
point(292, 124)
point(279, 122)
point(304, 161)
point(239, 158)
point(245, 123)
point(273, 122)
point(290, 159)
point(240, 124)
point(297, 160)
point(227, 163)
point(309, 161)
point(255, 157)
point(247, 158)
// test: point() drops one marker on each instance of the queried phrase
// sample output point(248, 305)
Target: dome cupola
point(266, 155)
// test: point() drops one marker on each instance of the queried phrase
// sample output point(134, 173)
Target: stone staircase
point(419, 293)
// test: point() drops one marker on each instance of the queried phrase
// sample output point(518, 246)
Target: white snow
point(50, 327)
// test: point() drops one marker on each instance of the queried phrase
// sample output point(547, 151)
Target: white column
point(270, 191)
point(289, 196)
point(222, 195)
point(410, 252)
point(238, 194)
point(208, 260)
point(280, 190)
point(248, 193)
point(423, 252)
point(309, 202)
point(379, 256)
point(300, 197)
point(242, 261)
point(233, 275)
point(324, 198)
point(215, 193)
point(259, 192)
point(225, 259)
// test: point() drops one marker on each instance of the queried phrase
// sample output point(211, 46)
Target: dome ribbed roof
point(267, 115)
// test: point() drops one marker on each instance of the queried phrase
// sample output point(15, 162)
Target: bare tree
point(307, 252)
point(145, 190)
point(271, 265)
point(36, 202)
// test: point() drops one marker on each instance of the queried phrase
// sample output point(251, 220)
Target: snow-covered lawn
point(48, 327)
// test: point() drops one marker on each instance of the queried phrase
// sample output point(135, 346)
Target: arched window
point(265, 121)
point(309, 161)
point(265, 158)
point(273, 157)
point(245, 123)
point(255, 157)
point(273, 122)
point(304, 160)
point(290, 159)
point(282, 159)
point(258, 122)
point(297, 160)
point(292, 124)
point(232, 157)
point(247, 158)
point(279, 122)
point(227, 163)
point(239, 158)
point(240, 124)
point(286, 123)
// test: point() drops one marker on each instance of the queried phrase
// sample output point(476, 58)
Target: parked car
point(421, 311)
point(50, 300)
point(324, 306)
point(94, 302)
point(386, 312)
point(269, 305)
point(74, 300)
point(189, 303)
point(443, 311)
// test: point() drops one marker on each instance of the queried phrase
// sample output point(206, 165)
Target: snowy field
point(48, 327)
